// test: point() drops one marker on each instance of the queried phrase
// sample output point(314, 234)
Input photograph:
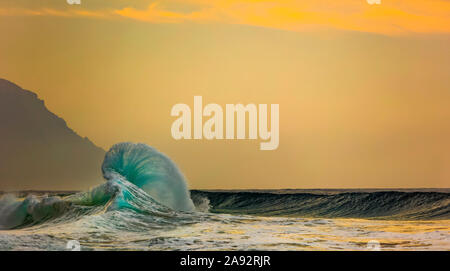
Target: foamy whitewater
point(145, 204)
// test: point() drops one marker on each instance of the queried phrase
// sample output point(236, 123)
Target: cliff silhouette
point(37, 148)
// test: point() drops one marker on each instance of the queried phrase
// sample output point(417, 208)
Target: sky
point(364, 90)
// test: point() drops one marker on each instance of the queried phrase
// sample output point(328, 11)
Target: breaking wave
point(139, 181)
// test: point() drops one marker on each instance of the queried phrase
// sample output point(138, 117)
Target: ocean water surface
point(144, 204)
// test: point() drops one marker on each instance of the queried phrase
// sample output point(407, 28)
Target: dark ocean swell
point(380, 205)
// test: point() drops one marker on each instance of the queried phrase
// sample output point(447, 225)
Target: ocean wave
point(381, 205)
point(151, 171)
point(138, 179)
point(144, 189)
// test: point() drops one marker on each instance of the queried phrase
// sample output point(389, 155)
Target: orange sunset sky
point(364, 90)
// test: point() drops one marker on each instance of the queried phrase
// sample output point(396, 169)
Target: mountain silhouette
point(37, 148)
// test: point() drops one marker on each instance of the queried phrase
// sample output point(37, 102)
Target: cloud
point(17, 12)
point(390, 17)
point(155, 14)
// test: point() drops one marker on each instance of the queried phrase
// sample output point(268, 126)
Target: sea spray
point(149, 170)
point(18, 213)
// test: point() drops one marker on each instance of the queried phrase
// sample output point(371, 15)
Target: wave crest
point(149, 170)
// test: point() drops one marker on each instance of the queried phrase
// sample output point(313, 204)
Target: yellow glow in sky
point(389, 17)
point(363, 90)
